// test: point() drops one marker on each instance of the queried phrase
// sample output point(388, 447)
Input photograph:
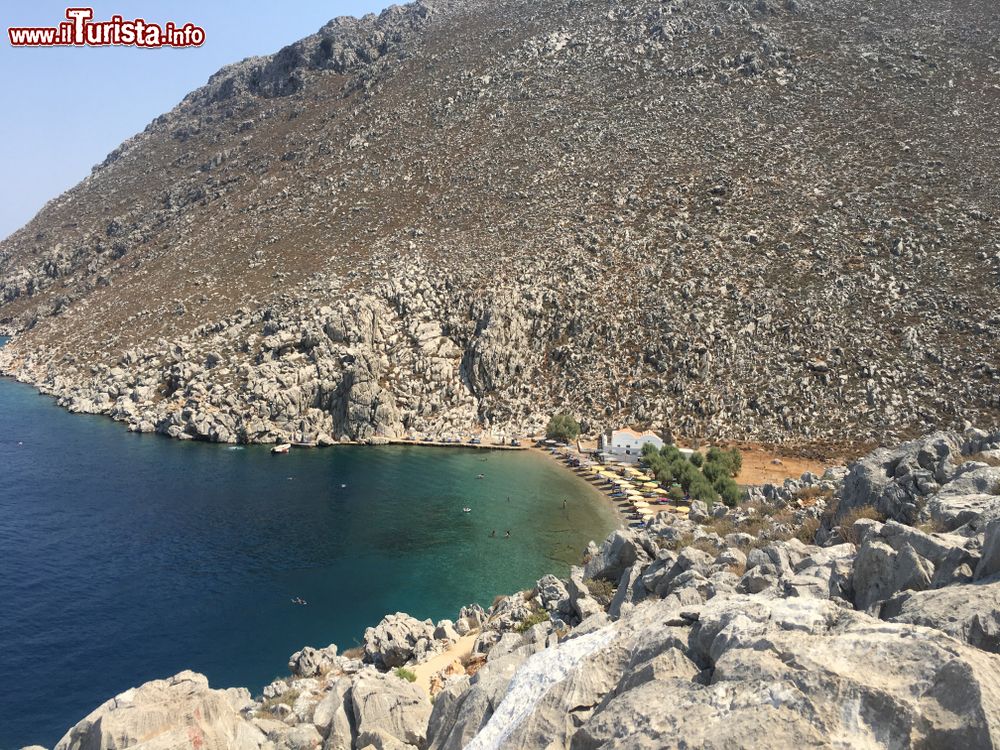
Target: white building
point(626, 445)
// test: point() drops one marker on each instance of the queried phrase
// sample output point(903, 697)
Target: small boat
point(466, 510)
point(282, 448)
point(299, 600)
point(481, 476)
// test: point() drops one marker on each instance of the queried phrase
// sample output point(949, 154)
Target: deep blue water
point(125, 558)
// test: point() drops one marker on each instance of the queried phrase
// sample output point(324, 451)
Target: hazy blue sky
point(65, 109)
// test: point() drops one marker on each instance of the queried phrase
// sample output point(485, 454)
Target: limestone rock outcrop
point(180, 711)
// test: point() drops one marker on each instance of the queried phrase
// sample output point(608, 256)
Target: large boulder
point(989, 563)
point(969, 612)
point(312, 662)
point(554, 595)
point(386, 706)
point(896, 482)
point(803, 673)
point(894, 557)
point(178, 712)
point(620, 551)
point(397, 640)
point(334, 714)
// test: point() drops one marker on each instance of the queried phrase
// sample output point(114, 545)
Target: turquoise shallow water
point(125, 558)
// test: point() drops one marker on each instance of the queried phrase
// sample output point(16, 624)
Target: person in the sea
point(564, 503)
point(507, 534)
point(493, 533)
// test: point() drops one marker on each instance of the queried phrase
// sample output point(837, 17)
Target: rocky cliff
point(798, 619)
point(768, 219)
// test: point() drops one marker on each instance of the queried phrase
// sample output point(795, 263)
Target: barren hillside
point(749, 220)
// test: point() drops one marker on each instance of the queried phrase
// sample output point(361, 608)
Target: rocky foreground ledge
point(860, 609)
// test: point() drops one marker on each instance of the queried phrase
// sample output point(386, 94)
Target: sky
point(65, 108)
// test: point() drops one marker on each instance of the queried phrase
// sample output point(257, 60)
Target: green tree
point(562, 427)
point(728, 490)
point(714, 471)
point(649, 450)
point(670, 452)
point(697, 459)
point(735, 461)
point(701, 489)
point(731, 460)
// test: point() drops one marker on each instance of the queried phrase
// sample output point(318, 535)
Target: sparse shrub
point(358, 652)
point(737, 569)
point(562, 427)
point(405, 674)
point(603, 591)
point(705, 545)
point(813, 493)
point(830, 511)
point(496, 600)
point(847, 531)
point(288, 698)
point(685, 540)
point(720, 526)
point(755, 525)
point(536, 618)
point(806, 533)
point(932, 526)
point(984, 458)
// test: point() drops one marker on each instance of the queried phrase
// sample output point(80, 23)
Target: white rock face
point(541, 672)
point(178, 712)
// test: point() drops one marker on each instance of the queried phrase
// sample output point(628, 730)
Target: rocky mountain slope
point(793, 620)
point(767, 219)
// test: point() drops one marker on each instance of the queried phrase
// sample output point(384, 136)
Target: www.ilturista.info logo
point(79, 30)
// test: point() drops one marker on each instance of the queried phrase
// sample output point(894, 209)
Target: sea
point(126, 558)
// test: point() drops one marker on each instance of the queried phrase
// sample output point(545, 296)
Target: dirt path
point(759, 467)
point(460, 652)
